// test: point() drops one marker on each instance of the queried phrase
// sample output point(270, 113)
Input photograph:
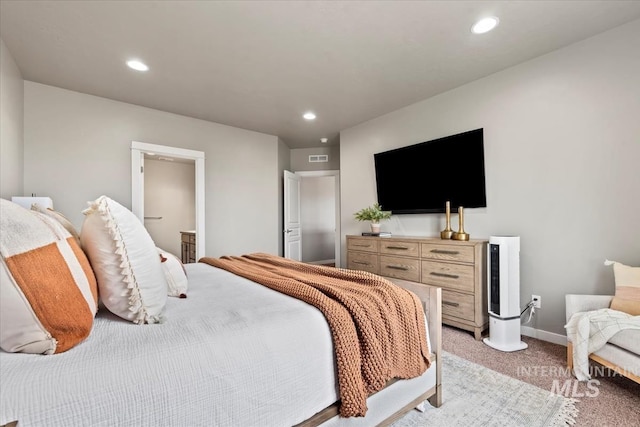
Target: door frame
point(336, 175)
point(138, 150)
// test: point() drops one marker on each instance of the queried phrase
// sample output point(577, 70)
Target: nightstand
point(188, 239)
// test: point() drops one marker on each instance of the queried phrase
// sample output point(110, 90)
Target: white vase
point(375, 227)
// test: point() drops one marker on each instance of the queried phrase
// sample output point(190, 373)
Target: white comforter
point(233, 353)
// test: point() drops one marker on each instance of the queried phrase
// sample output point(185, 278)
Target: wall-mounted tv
point(420, 178)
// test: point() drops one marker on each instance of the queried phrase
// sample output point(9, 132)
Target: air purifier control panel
point(494, 278)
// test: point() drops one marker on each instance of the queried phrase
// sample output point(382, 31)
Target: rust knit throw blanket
point(377, 327)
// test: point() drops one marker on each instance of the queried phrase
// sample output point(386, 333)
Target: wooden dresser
point(188, 239)
point(459, 268)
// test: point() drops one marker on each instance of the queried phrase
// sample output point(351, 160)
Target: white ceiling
point(260, 65)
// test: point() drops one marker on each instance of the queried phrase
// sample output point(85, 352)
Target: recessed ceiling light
point(485, 25)
point(137, 65)
point(309, 116)
point(324, 140)
point(151, 154)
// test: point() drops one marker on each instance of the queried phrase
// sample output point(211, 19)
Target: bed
point(233, 353)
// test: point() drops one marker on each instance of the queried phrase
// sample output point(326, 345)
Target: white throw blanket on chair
point(589, 331)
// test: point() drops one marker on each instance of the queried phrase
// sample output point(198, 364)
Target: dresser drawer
point(447, 275)
point(367, 245)
point(400, 268)
point(458, 305)
point(363, 261)
point(414, 262)
point(457, 253)
point(400, 248)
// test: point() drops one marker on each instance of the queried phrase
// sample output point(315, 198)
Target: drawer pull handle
point(402, 248)
point(361, 263)
point(361, 246)
point(441, 251)
point(397, 267)
point(452, 304)
point(448, 276)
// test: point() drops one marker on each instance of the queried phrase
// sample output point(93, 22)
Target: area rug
point(473, 395)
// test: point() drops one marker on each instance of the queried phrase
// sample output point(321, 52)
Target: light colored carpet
point(473, 395)
point(617, 403)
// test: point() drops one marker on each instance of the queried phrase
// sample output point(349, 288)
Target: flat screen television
point(420, 178)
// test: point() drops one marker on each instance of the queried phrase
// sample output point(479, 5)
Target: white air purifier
point(503, 283)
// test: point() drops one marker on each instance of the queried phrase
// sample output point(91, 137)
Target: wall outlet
point(537, 301)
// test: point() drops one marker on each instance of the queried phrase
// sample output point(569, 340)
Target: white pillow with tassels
point(124, 258)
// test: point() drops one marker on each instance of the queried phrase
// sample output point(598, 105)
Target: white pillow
point(123, 255)
point(627, 296)
point(175, 274)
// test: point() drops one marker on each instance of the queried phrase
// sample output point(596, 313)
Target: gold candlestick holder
point(460, 234)
point(447, 232)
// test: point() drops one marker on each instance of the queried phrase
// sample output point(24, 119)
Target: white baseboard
point(543, 335)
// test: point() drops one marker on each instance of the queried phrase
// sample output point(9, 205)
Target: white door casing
point(138, 149)
point(292, 230)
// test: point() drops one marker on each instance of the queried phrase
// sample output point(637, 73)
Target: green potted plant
point(374, 214)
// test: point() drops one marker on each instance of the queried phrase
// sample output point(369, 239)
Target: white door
point(292, 234)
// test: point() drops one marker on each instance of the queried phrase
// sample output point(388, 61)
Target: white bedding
point(245, 356)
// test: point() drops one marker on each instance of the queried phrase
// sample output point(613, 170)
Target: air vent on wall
point(318, 158)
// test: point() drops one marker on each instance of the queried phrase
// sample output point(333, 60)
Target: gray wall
point(317, 218)
point(11, 126)
point(77, 147)
point(562, 152)
point(300, 159)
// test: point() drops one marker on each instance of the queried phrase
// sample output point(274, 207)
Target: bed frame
point(431, 298)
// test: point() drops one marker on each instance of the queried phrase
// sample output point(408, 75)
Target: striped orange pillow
point(58, 217)
point(49, 291)
point(627, 297)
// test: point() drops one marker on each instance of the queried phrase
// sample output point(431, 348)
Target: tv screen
point(420, 178)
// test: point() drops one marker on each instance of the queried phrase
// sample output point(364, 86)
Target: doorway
point(138, 152)
point(169, 202)
point(318, 198)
